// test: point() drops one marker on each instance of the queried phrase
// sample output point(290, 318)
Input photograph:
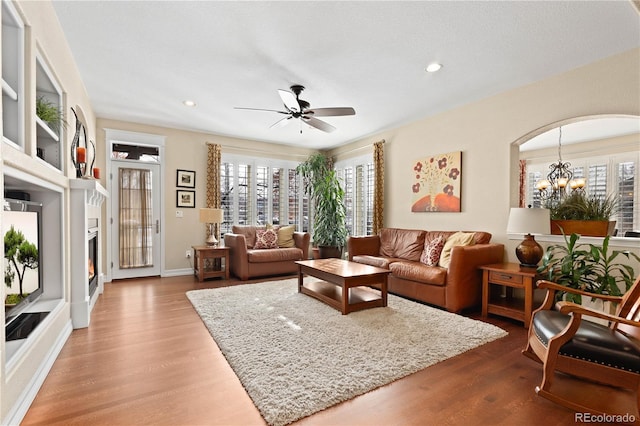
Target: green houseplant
point(588, 267)
point(322, 185)
point(50, 113)
point(583, 214)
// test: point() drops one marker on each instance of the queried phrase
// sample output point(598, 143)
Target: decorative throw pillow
point(457, 239)
point(285, 236)
point(431, 254)
point(266, 239)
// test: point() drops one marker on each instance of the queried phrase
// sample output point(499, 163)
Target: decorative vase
point(330, 251)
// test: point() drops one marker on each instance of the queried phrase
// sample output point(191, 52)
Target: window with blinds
point(260, 191)
point(357, 176)
point(604, 175)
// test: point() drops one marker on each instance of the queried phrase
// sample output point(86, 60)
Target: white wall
point(43, 36)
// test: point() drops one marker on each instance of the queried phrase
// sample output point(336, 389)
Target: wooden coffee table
point(345, 285)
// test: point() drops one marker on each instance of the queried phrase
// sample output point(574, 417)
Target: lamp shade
point(211, 215)
point(529, 221)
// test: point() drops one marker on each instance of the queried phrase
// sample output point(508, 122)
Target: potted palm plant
point(321, 183)
point(583, 214)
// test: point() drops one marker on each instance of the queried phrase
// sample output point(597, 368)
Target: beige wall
point(188, 151)
point(485, 130)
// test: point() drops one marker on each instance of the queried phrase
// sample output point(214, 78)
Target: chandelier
point(560, 178)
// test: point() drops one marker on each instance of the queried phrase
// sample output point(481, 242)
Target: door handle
point(157, 226)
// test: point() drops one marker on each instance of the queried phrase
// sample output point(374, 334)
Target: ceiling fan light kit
point(301, 109)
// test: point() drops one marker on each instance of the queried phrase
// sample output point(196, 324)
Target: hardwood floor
point(147, 358)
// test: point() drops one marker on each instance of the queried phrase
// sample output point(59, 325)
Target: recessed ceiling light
point(189, 103)
point(433, 67)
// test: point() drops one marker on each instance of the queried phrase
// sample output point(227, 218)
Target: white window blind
point(604, 175)
point(357, 176)
point(257, 191)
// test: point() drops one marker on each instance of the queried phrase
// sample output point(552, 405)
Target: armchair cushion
point(285, 236)
point(592, 342)
point(279, 255)
point(403, 243)
point(249, 233)
point(432, 251)
point(266, 239)
point(457, 239)
point(416, 271)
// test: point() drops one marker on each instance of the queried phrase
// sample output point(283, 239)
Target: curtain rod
point(295, 155)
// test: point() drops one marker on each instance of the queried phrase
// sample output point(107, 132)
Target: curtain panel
point(214, 155)
point(378, 196)
point(135, 218)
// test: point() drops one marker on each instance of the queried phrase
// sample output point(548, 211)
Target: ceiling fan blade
point(262, 109)
point(280, 123)
point(319, 124)
point(289, 100)
point(326, 112)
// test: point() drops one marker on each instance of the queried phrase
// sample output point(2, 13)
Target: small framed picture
point(185, 178)
point(186, 199)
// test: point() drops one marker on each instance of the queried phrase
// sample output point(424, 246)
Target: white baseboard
point(20, 408)
point(177, 272)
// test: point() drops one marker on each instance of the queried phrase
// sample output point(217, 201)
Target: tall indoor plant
point(321, 183)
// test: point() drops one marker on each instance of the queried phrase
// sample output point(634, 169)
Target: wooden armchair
point(562, 341)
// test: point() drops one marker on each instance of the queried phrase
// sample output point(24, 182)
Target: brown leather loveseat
point(455, 286)
point(249, 262)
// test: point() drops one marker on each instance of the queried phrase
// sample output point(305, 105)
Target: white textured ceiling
point(139, 60)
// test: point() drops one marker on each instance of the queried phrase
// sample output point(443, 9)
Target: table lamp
point(529, 222)
point(211, 216)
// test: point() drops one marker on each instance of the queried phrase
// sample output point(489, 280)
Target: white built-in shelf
point(44, 131)
point(48, 139)
point(7, 90)
point(13, 48)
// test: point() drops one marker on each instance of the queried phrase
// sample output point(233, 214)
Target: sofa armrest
point(302, 240)
point(238, 258)
point(464, 278)
point(365, 245)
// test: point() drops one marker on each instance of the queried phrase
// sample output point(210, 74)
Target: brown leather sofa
point(247, 262)
point(454, 288)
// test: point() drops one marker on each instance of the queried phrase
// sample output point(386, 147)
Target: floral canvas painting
point(437, 182)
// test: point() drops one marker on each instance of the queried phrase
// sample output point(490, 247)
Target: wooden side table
point(214, 267)
point(509, 276)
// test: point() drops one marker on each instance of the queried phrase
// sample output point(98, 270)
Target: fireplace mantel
point(86, 198)
point(96, 194)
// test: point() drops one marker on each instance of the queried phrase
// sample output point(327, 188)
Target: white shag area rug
point(296, 356)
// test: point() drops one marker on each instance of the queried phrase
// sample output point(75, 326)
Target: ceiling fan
point(300, 109)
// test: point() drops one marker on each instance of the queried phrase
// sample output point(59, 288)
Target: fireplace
point(87, 276)
point(92, 250)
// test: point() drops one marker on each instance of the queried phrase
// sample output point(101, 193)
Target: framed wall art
point(437, 183)
point(185, 178)
point(186, 199)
